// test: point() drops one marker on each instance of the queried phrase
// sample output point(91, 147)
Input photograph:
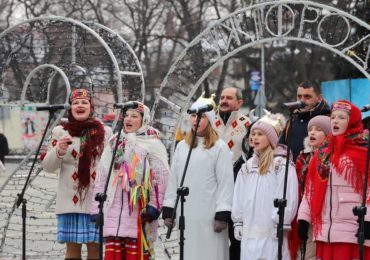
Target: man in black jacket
point(310, 94)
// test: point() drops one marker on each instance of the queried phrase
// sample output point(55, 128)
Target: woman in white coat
point(210, 181)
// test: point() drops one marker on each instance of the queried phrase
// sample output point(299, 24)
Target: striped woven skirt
point(118, 248)
point(76, 228)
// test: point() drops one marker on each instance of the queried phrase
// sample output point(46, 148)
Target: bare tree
point(159, 30)
point(6, 11)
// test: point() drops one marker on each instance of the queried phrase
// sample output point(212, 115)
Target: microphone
point(200, 109)
point(293, 105)
point(52, 107)
point(126, 105)
point(365, 108)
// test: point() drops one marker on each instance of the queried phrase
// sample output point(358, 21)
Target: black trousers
point(234, 248)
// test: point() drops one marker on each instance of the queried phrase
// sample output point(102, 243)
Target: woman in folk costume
point(209, 178)
point(74, 150)
point(318, 129)
point(334, 185)
point(259, 182)
point(135, 190)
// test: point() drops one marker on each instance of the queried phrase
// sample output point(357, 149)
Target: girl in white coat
point(259, 182)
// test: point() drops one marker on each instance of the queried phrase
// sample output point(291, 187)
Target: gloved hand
point(238, 231)
point(367, 229)
point(219, 225)
point(149, 214)
point(93, 218)
point(303, 226)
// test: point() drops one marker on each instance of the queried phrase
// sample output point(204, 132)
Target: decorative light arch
point(287, 20)
point(41, 67)
point(69, 36)
point(126, 65)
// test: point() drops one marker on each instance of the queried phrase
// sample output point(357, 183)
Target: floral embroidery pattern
point(323, 168)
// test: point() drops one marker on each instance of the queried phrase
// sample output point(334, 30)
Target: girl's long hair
point(266, 159)
point(210, 137)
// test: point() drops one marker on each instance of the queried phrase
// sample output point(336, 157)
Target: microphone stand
point(281, 203)
point(360, 211)
point(182, 192)
point(303, 249)
point(101, 197)
point(21, 199)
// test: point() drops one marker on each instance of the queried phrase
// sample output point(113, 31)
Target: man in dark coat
point(310, 94)
point(4, 149)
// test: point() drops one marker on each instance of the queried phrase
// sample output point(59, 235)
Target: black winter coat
point(299, 127)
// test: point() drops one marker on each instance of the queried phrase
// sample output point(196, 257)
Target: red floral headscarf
point(345, 153)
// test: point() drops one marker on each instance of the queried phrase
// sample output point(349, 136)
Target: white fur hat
point(211, 115)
